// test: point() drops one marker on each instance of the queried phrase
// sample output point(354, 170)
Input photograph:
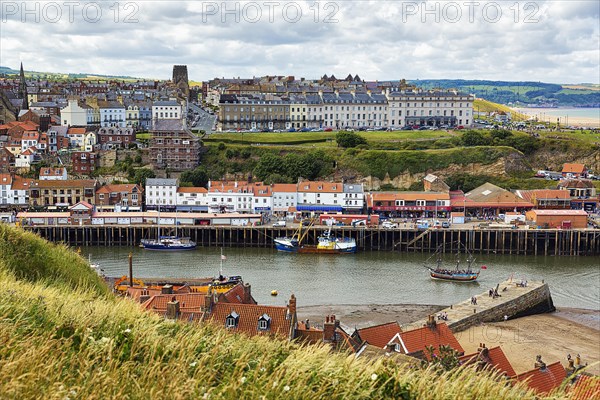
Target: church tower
point(23, 89)
point(180, 79)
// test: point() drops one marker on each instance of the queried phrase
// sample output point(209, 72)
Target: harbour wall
point(487, 241)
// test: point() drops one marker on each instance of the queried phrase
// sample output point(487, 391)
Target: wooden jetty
point(489, 241)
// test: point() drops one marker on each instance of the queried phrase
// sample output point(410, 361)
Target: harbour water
point(363, 278)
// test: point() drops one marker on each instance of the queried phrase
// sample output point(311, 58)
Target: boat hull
point(160, 247)
point(286, 246)
point(454, 277)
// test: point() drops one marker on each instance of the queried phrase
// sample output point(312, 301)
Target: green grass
point(61, 341)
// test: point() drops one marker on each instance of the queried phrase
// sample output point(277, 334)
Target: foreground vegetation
point(65, 337)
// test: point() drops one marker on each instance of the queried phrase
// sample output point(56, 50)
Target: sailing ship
point(169, 243)
point(456, 274)
point(327, 243)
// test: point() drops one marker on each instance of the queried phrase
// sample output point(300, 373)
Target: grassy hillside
point(482, 105)
point(63, 338)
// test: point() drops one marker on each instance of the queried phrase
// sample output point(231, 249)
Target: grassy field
point(66, 340)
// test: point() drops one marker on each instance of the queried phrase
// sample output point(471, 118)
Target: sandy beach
point(566, 331)
point(567, 117)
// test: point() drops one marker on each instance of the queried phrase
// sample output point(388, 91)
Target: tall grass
point(65, 342)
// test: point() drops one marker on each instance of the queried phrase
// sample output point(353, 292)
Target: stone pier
point(514, 301)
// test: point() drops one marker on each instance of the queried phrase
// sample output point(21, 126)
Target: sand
point(553, 335)
point(573, 120)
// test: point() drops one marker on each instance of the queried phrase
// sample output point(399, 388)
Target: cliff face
point(502, 167)
point(554, 157)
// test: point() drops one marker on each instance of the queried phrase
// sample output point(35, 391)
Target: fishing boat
point(168, 243)
point(327, 243)
point(456, 274)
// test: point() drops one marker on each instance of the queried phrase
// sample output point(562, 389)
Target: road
point(201, 119)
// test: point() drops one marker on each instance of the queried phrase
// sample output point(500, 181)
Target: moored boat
point(168, 243)
point(327, 244)
point(456, 274)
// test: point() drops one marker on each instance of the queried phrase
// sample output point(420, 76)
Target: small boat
point(168, 243)
point(456, 274)
point(327, 243)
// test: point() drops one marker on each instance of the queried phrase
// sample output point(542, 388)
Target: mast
point(221, 267)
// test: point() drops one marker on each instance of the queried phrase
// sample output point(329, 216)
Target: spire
point(23, 89)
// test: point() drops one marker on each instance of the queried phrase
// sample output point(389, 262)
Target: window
point(264, 322)
point(232, 320)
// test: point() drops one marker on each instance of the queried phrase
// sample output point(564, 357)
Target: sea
point(568, 116)
point(364, 278)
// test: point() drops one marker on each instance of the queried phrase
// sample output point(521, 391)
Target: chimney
point(208, 301)
point(329, 329)
point(431, 322)
point(144, 296)
point(247, 293)
point(173, 309)
point(167, 289)
point(292, 305)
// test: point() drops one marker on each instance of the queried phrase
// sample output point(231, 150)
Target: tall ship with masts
point(458, 273)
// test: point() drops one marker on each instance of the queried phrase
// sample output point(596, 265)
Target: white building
point(161, 193)
point(354, 198)
point(166, 110)
point(227, 197)
point(53, 174)
point(6, 195)
point(320, 196)
point(263, 198)
point(55, 135)
point(90, 140)
point(192, 199)
point(13, 190)
point(25, 158)
point(112, 113)
point(76, 137)
point(75, 114)
point(285, 195)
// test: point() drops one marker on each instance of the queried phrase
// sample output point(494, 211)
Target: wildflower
point(193, 364)
point(104, 340)
point(243, 380)
point(73, 392)
point(286, 388)
point(374, 377)
point(127, 330)
point(206, 395)
point(275, 384)
point(262, 369)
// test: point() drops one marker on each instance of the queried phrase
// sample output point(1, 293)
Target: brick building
point(62, 193)
point(84, 163)
point(173, 146)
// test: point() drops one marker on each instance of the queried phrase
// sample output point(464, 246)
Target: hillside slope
point(63, 338)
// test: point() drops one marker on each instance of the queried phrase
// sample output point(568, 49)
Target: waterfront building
point(161, 192)
point(53, 174)
point(192, 199)
point(229, 197)
point(490, 200)
point(354, 198)
point(582, 192)
point(169, 109)
point(546, 199)
point(285, 197)
point(320, 197)
point(120, 197)
point(410, 204)
point(574, 171)
point(61, 193)
point(263, 198)
point(570, 219)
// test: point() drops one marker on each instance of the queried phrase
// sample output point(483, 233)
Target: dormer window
point(232, 320)
point(264, 322)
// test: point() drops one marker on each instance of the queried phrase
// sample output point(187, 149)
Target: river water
point(362, 278)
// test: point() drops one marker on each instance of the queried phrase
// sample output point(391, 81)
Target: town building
point(285, 197)
point(545, 378)
point(228, 197)
point(161, 194)
point(574, 171)
point(115, 137)
point(192, 199)
point(79, 115)
point(489, 359)
point(490, 200)
point(83, 162)
point(112, 113)
point(384, 336)
point(569, 219)
point(53, 174)
point(173, 146)
point(61, 193)
point(354, 198)
point(170, 109)
point(320, 197)
point(546, 199)
point(120, 197)
point(583, 194)
point(410, 204)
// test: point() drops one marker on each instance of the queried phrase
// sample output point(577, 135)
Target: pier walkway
point(513, 301)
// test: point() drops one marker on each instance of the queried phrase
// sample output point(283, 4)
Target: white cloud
point(551, 41)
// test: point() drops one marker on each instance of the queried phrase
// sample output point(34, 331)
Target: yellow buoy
point(274, 293)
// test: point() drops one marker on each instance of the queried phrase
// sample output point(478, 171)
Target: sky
point(556, 41)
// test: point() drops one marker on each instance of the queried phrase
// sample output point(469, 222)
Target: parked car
point(389, 225)
point(445, 224)
point(280, 223)
point(328, 129)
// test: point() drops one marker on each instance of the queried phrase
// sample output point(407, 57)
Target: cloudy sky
point(550, 41)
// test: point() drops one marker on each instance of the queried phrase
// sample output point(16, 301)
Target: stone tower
point(180, 79)
point(23, 89)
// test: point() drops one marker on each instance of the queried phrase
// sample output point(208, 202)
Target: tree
point(349, 139)
point(142, 174)
point(197, 177)
point(267, 165)
point(473, 138)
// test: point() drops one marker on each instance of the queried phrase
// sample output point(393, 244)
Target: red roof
point(418, 339)
point(248, 316)
point(574, 168)
point(379, 335)
point(236, 295)
point(586, 387)
point(190, 302)
point(192, 190)
point(76, 131)
point(568, 213)
point(546, 380)
point(495, 358)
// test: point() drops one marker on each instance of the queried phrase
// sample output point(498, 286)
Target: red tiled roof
point(52, 171)
point(71, 183)
point(76, 131)
point(236, 295)
point(325, 187)
point(136, 291)
point(568, 213)
point(5, 179)
point(543, 194)
point(418, 339)
point(187, 301)
point(249, 315)
point(118, 188)
point(544, 381)
point(284, 188)
point(495, 359)
point(574, 168)
point(379, 335)
point(586, 387)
